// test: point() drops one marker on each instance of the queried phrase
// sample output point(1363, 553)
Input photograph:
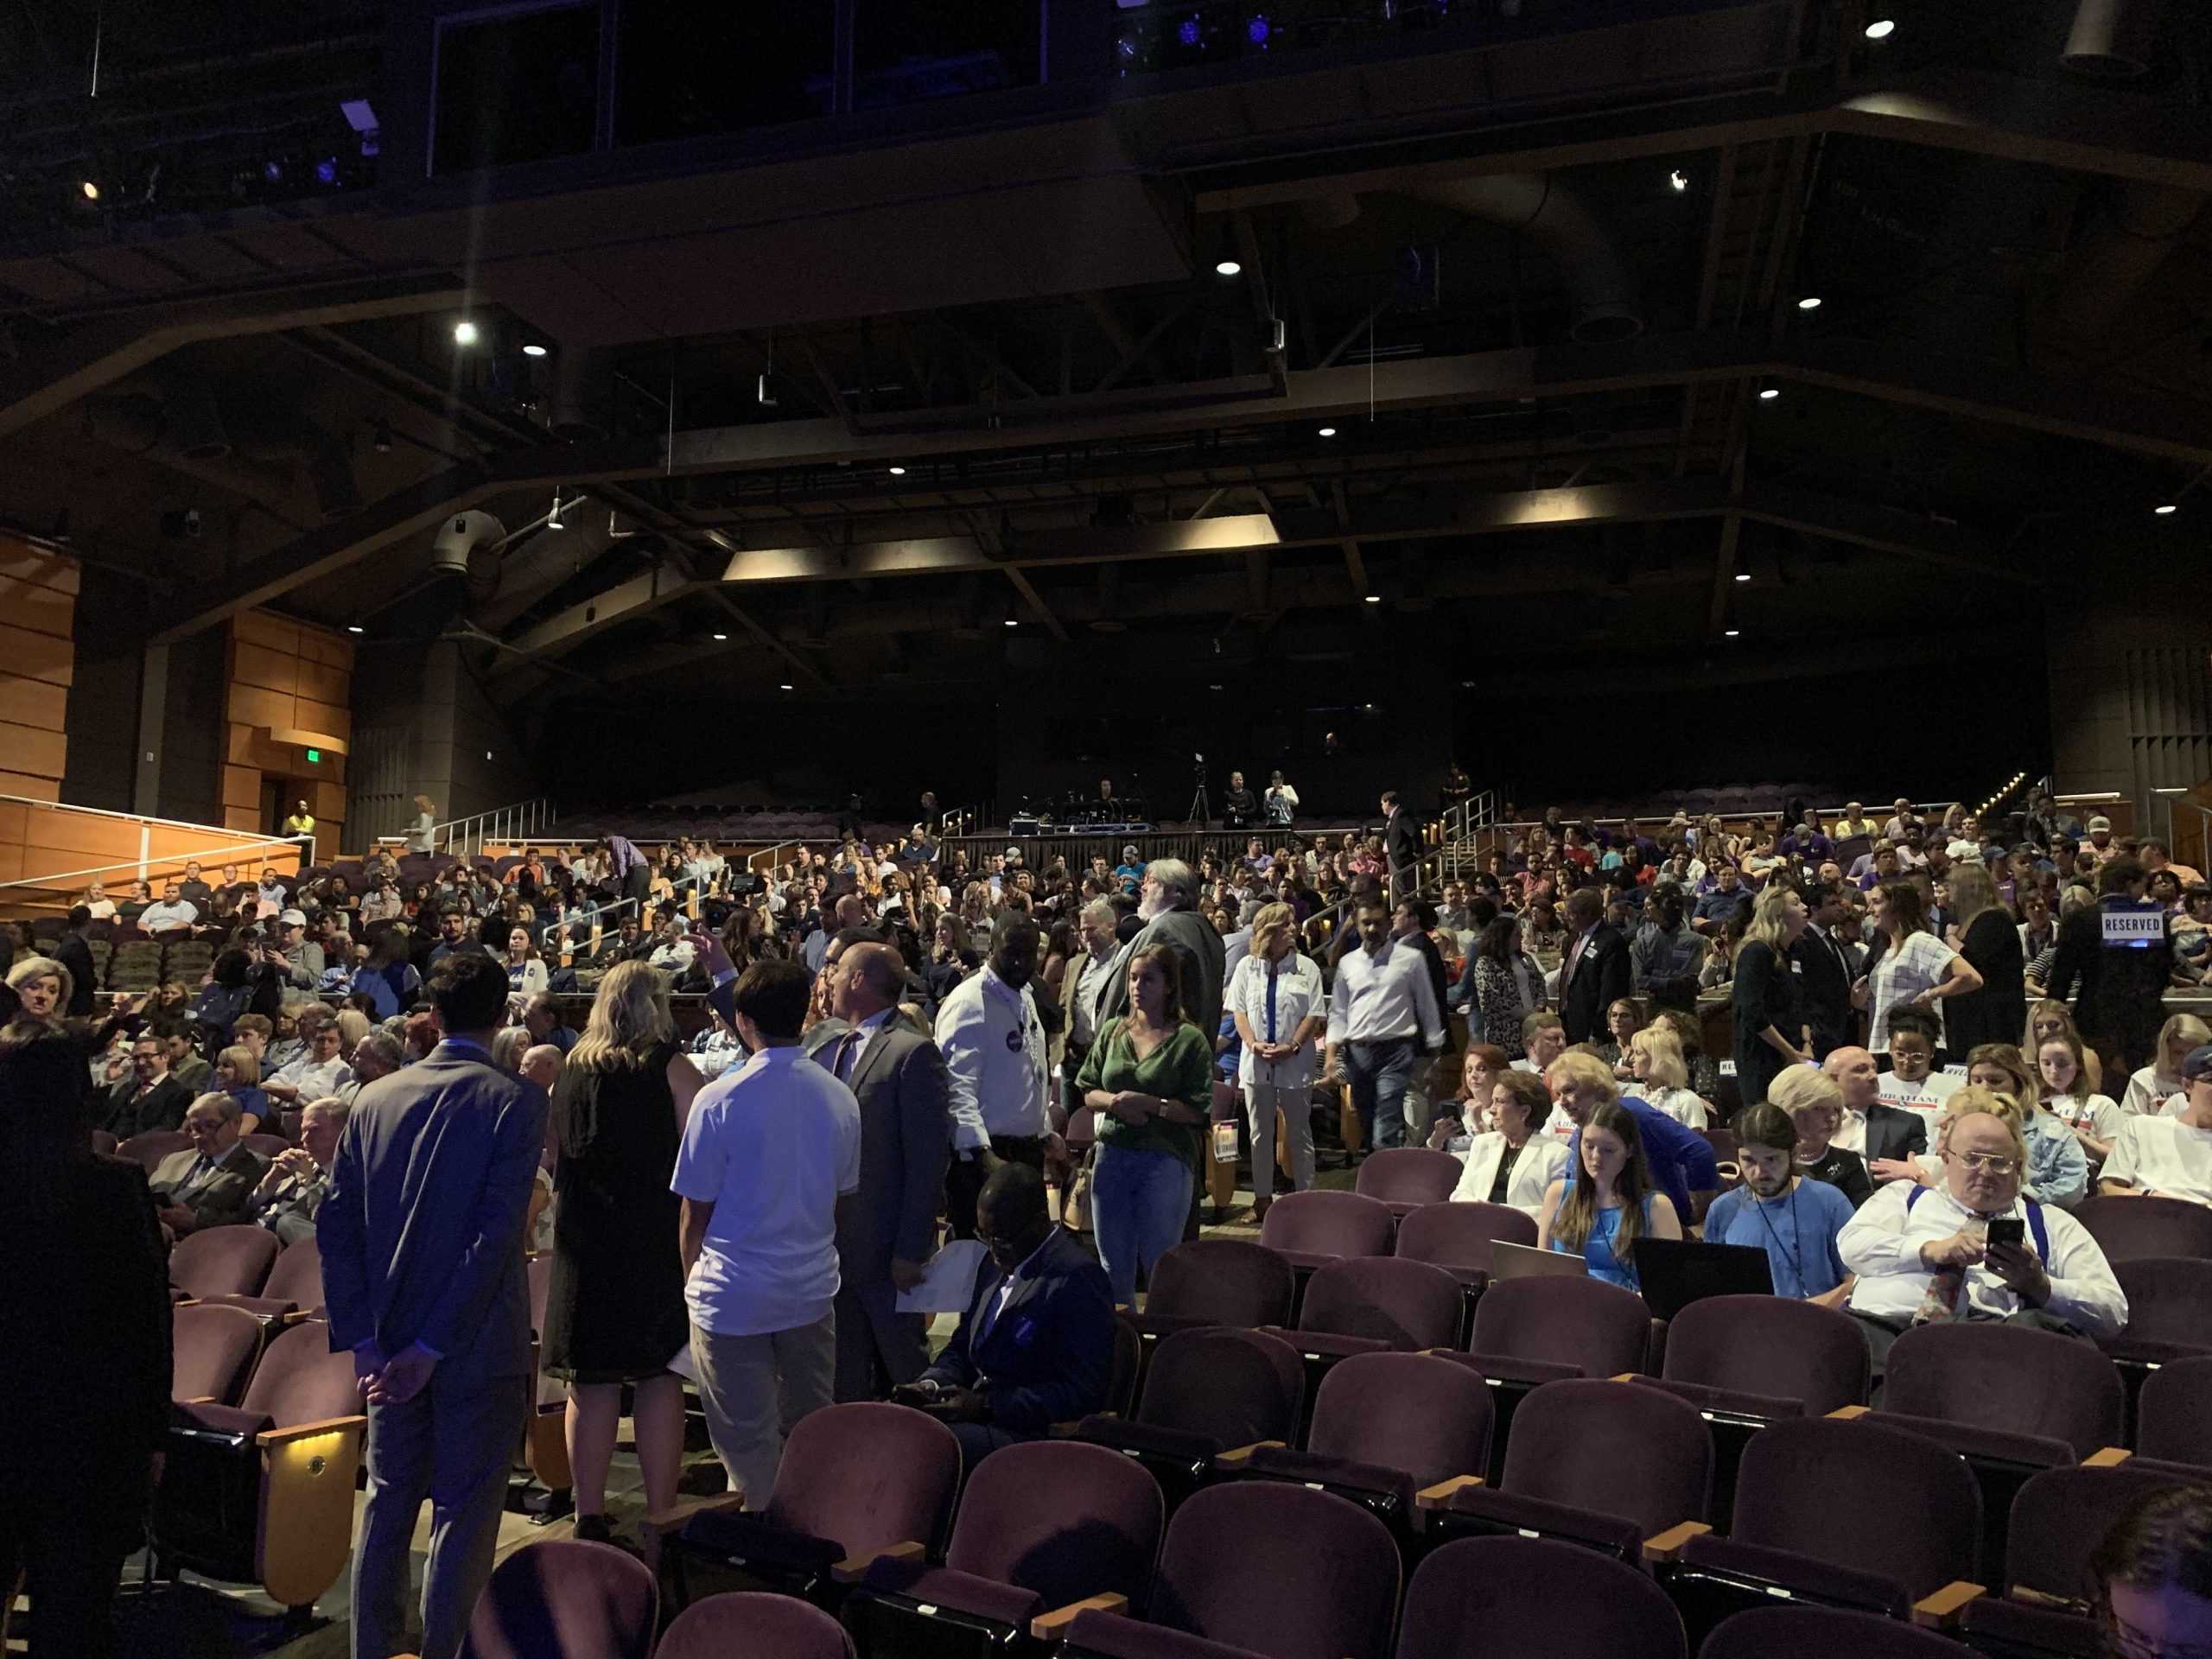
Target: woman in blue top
point(1600, 1210)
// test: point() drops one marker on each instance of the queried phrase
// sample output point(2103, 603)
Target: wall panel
point(285, 676)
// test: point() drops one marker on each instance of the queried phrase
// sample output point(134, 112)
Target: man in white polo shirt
point(2167, 1157)
point(993, 1045)
point(768, 1150)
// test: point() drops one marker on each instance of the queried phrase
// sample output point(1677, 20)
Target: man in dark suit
point(1825, 968)
point(1036, 1345)
point(1891, 1134)
point(886, 1229)
point(1402, 847)
point(1596, 972)
point(149, 1098)
point(209, 1183)
point(73, 953)
point(1168, 908)
point(422, 1237)
point(2121, 985)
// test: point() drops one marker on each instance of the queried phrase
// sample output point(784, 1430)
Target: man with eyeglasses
point(2154, 1575)
point(1924, 1255)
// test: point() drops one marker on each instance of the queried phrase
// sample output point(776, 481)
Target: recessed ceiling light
point(1011, 623)
point(1227, 268)
point(92, 190)
point(1768, 394)
point(352, 628)
point(1810, 303)
point(721, 636)
point(1326, 432)
point(785, 686)
point(464, 333)
point(1743, 575)
point(898, 472)
point(2164, 508)
point(1731, 632)
point(1679, 179)
point(1881, 29)
point(1374, 599)
point(533, 350)
point(1215, 686)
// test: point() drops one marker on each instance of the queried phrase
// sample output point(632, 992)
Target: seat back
point(1437, 1423)
point(1859, 1496)
point(1309, 1575)
point(1409, 1175)
point(1460, 1235)
point(1062, 1518)
point(222, 1261)
point(565, 1598)
point(1128, 1359)
point(1601, 1329)
point(1534, 1595)
point(265, 1146)
point(2058, 1516)
point(867, 1475)
point(1770, 1345)
point(210, 1347)
point(301, 1381)
point(1408, 1305)
point(102, 1142)
point(1613, 1447)
point(1764, 1632)
point(1320, 1222)
point(2170, 1422)
point(2006, 1376)
point(1233, 1387)
point(152, 1147)
point(297, 1276)
point(2169, 1300)
point(1222, 1282)
point(2127, 1227)
point(749, 1624)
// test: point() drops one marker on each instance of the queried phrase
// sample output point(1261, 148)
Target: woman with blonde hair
point(2050, 1018)
point(2062, 1066)
point(422, 834)
point(1654, 1060)
point(1280, 1004)
point(1989, 939)
point(2150, 1089)
point(2058, 1169)
point(615, 1312)
point(1770, 1016)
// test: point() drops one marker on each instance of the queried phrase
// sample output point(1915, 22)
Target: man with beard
point(1795, 1221)
point(1167, 906)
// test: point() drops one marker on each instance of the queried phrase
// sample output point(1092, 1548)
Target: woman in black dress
point(614, 1310)
point(1988, 938)
point(1770, 1019)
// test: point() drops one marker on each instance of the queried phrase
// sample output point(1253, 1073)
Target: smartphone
point(2008, 1229)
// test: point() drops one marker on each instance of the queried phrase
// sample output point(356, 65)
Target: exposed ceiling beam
point(640, 596)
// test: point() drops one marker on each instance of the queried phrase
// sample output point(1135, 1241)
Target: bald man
point(541, 1063)
point(887, 1228)
point(1879, 1134)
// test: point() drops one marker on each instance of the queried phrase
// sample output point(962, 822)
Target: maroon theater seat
point(2171, 1423)
point(2127, 1227)
point(565, 1598)
point(746, 1624)
point(1405, 1178)
point(1458, 1235)
point(231, 1260)
point(1766, 1355)
point(1315, 1227)
point(1484, 1596)
point(210, 1346)
point(1821, 1632)
point(153, 1146)
point(1206, 1392)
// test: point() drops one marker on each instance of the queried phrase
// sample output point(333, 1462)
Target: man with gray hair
point(1168, 903)
point(378, 1054)
point(293, 1188)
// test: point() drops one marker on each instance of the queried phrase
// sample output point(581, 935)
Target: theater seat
point(1479, 1596)
point(565, 1598)
point(743, 1624)
point(232, 1261)
point(1207, 1393)
point(294, 1288)
point(211, 1348)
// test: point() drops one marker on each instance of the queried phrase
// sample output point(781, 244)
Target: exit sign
point(315, 757)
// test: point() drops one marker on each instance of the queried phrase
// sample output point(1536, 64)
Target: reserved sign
point(2134, 927)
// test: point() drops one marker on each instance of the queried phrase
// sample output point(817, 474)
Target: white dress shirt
point(993, 1047)
point(841, 1056)
point(1882, 1245)
point(1299, 994)
point(314, 1078)
point(1380, 996)
point(1089, 982)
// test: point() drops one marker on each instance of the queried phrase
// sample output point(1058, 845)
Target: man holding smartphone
point(1970, 1247)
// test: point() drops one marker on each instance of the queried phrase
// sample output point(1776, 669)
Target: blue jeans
point(1378, 1073)
point(1139, 1202)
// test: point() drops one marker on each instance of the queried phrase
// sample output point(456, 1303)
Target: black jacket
point(1401, 845)
point(1892, 1132)
point(1047, 1356)
point(76, 956)
point(1602, 977)
point(128, 1114)
point(1824, 993)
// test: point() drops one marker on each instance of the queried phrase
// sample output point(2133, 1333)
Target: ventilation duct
point(582, 392)
point(464, 538)
point(2112, 39)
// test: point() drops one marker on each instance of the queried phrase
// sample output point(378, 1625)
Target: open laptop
point(1676, 1272)
point(1527, 1262)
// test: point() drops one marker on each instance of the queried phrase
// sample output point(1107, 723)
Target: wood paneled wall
point(38, 604)
point(290, 687)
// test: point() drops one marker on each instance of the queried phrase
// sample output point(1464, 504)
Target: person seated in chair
point(1036, 1345)
point(149, 1098)
point(292, 1188)
point(211, 1182)
point(1925, 1255)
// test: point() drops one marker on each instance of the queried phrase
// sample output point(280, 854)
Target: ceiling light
point(382, 437)
point(353, 628)
point(1768, 394)
point(1881, 29)
point(2164, 508)
point(721, 636)
point(1011, 623)
point(1679, 179)
point(785, 686)
point(1730, 633)
point(898, 472)
point(553, 518)
point(1810, 303)
point(1373, 598)
point(92, 190)
point(533, 350)
point(1327, 432)
point(1743, 575)
point(1215, 686)
point(1227, 268)
point(464, 333)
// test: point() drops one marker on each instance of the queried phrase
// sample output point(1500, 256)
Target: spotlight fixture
point(533, 349)
point(1326, 432)
point(1373, 598)
point(1810, 303)
point(1742, 567)
point(1768, 394)
point(898, 472)
point(764, 394)
point(1227, 268)
point(720, 637)
point(91, 189)
point(382, 438)
point(1679, 179)
point(2166, 508)
point(353, 628)
point(553, 518)
point(1881, 29)
point(464, 333)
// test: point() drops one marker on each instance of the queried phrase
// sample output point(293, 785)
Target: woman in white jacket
point(1514, 1162)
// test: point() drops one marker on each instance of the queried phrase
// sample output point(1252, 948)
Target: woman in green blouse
point(1149, 1077)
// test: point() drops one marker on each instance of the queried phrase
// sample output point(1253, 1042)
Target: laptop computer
point(1527, 1262)
point(1676, 1272)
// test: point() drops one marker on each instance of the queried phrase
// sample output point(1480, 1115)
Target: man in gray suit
point(887, 1228)
point(421, 1235)
point(1168, 903)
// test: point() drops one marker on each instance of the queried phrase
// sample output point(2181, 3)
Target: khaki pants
point(754, 1390)
point(1262, 1102)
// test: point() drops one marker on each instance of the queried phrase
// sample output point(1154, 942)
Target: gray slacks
point(878, 1347)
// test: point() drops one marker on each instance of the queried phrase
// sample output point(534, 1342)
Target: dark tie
point(841, 1066)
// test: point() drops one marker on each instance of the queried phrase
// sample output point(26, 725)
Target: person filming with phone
point(1970, 1247)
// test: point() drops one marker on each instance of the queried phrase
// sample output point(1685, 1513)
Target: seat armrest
point(853, 1569)
point(199, 1399)
point(672, 1518)
point(1848, 1413)
point(306, 1431)
point(2110, 1457)
point(1667, 1544)
point(1440, 1495)
point(1237, 1456)
point(1940, 1611)
point(1052, 1626)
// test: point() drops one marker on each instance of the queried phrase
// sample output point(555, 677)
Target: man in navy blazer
point(421, 1239)
point(1036, 1345)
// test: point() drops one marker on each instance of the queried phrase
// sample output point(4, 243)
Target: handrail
point(196, 857)
point(753, 861)
point(104, 812)
point(465, 837)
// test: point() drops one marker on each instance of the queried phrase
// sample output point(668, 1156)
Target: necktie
point(842, 1066)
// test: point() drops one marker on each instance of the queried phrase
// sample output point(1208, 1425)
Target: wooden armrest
point(1846, 1414)
point(1237, 1456)
point(1941, 1610)
point(672, 1518)
point(1050, 1627)
point(307, 1431)
point(1622, 1376)
point(1438, 1496)
point(2110, 1457)
point(853, 1569)
point(210, 1400)
point(1667, 1544)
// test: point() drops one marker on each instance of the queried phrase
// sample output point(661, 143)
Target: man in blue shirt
point(1680, 1158)
point(1797, 1220)
point(1725, 895)
point(1130, 871)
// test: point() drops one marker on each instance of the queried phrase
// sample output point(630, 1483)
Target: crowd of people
point(900, 1047)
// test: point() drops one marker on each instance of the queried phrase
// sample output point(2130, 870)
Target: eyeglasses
point(1988, 1163)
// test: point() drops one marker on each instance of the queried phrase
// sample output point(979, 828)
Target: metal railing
point(520, 822)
